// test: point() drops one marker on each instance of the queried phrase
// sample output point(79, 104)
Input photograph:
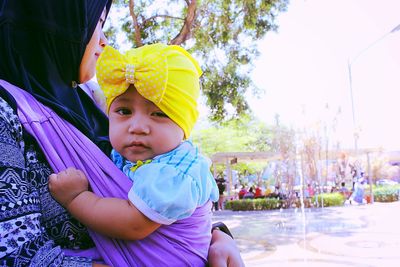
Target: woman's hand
point(223, 251)
point(66, 185)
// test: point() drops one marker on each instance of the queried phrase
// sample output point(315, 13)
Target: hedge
point(253, 204)
point(381, 194)
point(386, 193)
point(329, 199)
point(264, 204)
point(335, 199)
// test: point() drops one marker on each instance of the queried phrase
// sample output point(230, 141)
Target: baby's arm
point(113, 217)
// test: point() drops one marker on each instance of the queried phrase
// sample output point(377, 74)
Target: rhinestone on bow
point(130, 73)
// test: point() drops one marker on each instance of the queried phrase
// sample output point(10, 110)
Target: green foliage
point(386, 193)
point(226, 40)
point(329, 199)
point(245, 134)
point(245, 168)
point(253, 204)
point(264, 204)
point(237, 135)
point(223, 36)
point(111, 34)
point(284, 141)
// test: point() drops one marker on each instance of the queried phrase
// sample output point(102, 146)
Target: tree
point(311, 149)
point(221, 33)
point(284, 144)
point(245, 134)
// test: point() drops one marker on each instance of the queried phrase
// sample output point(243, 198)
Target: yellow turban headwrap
point(167, 75)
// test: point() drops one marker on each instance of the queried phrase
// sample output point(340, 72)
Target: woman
point(47, 48)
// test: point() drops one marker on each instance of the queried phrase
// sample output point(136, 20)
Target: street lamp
point(356, 136)
point(349, 64)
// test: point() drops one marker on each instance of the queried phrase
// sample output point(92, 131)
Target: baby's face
point(139, 130)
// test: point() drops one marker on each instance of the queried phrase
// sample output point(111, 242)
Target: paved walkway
point(356, 236)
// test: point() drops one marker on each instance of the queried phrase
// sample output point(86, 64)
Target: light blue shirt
point(172, 185)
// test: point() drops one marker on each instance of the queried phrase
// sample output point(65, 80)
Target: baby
point(151, 95)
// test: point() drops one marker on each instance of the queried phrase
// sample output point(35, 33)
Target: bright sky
point(304, 66)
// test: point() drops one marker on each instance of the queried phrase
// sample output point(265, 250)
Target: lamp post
point(356, 136)
point(350, 62)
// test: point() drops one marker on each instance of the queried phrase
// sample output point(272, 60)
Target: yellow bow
point(146, 70)
point(167, 75)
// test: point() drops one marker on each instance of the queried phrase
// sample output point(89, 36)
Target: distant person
point(357, 197)
point(343, 189)
point(242, 192)
point(276, 193)
point(334, 189)
point(306, 193)
point(249, 194)
point(268, 191)
point(354, 175)
point(310, 190)
point(258, 193)
point(221, 183)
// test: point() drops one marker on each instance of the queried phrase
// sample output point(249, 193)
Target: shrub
point(253, 204)
point(386, 193)
point(263, 204)
point(329, 199)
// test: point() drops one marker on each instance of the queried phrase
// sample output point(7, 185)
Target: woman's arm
point(223, 251)
point(113, 217)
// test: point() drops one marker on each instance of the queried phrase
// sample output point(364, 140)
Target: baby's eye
point(123, 111)
point(159, 114)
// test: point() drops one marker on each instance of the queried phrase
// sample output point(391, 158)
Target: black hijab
point(42, 43)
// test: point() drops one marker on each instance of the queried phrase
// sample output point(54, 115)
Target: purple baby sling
point(65, 146)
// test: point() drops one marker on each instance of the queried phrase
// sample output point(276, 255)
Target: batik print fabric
point(33, 227)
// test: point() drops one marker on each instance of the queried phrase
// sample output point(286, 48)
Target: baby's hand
point(67, 185)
